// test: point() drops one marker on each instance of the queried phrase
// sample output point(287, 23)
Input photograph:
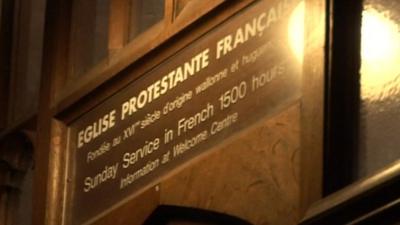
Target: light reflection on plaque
point(296, 30)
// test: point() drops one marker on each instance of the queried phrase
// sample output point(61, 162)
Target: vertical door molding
point(49, 178)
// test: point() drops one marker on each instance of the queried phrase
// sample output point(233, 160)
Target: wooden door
point(224, 115)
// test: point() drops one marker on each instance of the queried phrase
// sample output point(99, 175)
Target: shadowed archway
point(177, 215)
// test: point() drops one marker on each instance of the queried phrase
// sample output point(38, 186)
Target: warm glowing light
point(380, 52)
point(296, 30)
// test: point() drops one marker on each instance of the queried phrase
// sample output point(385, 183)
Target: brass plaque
point(227, 80)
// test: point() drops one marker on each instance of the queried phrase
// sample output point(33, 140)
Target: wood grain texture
point(6, 21)
point(254, 175)
point(148, 50)
point(119, 17)
point(49, 182)
point(312, 116)
point(25, 67)
point(134, 212)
